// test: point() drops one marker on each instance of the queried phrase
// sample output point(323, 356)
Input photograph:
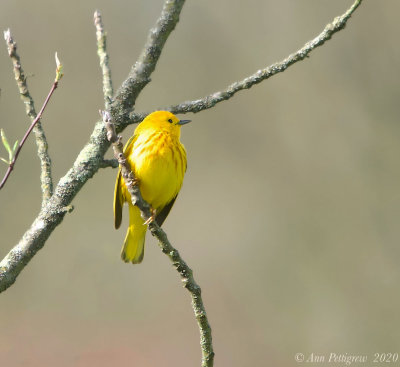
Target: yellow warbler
point(158, 160)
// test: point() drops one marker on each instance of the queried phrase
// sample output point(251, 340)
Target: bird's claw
point(152, 218)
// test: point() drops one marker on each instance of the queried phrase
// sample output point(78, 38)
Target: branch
point(21, 144)
point(90, 159)
point(103, 56)
point(41, 142)
point(52, 213)
point(140, 73)
point(105, 163)
point(183, 269)
point(211, 100)
point(85, 166)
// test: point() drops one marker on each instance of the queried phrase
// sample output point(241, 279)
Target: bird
point(158, 162)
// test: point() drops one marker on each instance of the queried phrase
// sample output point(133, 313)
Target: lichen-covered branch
point(52, 213)
point(183, 269)
point(90, 159)
point(103, 56)
point(211, 100)
point(40, 137)
point(106, 163)
point(139, 75)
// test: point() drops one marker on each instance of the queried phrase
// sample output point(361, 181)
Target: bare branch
point(103, 56)
point(41, 142)
point(211, 100)
point(183, 269)
point(139, 75)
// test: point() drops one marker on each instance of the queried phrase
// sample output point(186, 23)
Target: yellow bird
point(158, 161)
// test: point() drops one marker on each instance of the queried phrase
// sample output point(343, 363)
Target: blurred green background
point(289, 214)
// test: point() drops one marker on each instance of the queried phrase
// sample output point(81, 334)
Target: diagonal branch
point(21, 144)
point(85, 166)
point(139, 75)
point(90, 158)
point(103, 56)
point(52, 213)
point(211, 100)
point(183, 269)
point(41, 142)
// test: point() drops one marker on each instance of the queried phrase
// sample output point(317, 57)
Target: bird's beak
point(183, 122)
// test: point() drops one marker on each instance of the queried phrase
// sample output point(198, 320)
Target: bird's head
point(162, 120)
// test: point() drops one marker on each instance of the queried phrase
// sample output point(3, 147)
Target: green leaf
point(5, 141)
point(5, 161)
point(15, 147)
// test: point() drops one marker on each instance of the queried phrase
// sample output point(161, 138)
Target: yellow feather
point(158, 160)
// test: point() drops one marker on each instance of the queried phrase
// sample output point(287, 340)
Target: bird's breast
point(159, 162)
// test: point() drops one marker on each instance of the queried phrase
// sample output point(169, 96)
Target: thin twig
point(40, 137)
point(183, 269)
point(21, 144)
point(139, 75)
point(103, 56)
point(212, 99)
point(105, 163)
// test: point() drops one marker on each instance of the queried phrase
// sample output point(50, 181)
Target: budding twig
point(41, 141)
point(21, 144)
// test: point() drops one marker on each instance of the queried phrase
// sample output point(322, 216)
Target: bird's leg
point(152, 218)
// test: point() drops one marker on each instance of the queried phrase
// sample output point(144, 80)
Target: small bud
point(7, 35)
point(59, 69)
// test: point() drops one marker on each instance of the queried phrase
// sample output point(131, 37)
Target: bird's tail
point(133, 249)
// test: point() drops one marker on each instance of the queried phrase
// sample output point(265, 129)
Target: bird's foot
point(135, 181)
point(152, 218)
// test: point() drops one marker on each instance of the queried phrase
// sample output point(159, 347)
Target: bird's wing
point(118, 200)
point(162, 215)
point(118, 195)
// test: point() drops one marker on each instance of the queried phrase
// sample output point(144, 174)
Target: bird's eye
point(170, 121)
